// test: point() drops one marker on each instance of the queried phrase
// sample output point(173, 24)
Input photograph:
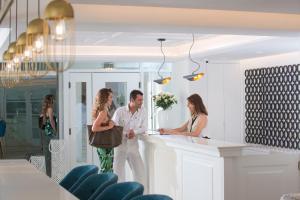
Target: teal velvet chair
point(73, 179)
point(121, 191)
point(94, 185)
point(153, 197)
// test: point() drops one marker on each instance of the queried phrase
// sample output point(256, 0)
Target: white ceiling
point(275, 6)
point(134, 39)
point(116, 40)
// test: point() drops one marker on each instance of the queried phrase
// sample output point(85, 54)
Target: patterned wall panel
point(273, 106)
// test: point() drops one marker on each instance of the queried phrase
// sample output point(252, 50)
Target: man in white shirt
point(133, 119)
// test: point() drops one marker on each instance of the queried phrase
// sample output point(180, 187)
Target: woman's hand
point(111, 124)
point(162, 131)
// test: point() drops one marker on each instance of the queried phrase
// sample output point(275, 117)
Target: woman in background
point(49, 121)
point(102, 122)
point(197, 122)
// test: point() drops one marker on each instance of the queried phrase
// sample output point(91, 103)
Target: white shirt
point(136, 121)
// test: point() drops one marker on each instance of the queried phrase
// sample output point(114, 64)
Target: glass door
point(80, 104)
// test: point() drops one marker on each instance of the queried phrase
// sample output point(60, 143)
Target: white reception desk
point(187, 168)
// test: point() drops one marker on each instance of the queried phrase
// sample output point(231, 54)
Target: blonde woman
point(102, 122)
point(49, 121)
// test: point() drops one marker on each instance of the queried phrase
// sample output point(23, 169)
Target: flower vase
point(164, 118)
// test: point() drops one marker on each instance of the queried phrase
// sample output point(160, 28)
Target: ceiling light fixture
point(108, 66)
point(9, 75)
point(27, 50)
point(35, 47)
point(194, 76)
point(162, 80)
point(35, 33)
point(59, 43)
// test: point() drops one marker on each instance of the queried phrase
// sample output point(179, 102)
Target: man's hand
point(131, 134)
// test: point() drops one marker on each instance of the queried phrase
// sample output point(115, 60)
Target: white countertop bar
point(21, 180)
point(206, 146)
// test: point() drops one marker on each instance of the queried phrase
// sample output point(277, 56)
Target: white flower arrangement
point(164, 100)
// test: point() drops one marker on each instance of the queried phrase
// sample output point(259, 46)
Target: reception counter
point(188, 168)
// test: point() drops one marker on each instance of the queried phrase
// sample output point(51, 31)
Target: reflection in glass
point(80, 123)
point(22, 109)
point(119, 94)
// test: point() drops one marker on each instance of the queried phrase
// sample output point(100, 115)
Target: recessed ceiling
point(274, 6)
point(134, 39)
point(142, 39)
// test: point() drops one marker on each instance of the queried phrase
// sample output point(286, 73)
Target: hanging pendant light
point(17, 59)
point(19, 72)
point(35, 33)
point(22, 51)
point(35, 46)
point(9, 76)
point(59, 42)
point(27, 49)
point(162, 80)
point(194, 76)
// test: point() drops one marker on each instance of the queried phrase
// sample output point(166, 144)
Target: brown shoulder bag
point(106, 139)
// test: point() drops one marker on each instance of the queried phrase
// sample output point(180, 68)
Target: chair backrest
point(2, 128)
point(122, 191)
point(94, 185)
point(72, 180)
point(153, 197)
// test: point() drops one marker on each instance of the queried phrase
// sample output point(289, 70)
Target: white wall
point(179, 87)
point(271, 61)
point(220, 90)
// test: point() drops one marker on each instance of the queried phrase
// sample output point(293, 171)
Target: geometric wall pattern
point(273, 106)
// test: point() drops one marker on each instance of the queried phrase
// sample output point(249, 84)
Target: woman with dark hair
point(196, 123)
point(49, 121)
point(102, 122)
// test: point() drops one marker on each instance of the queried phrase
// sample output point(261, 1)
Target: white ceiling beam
point(133, 18)
point(273, 6)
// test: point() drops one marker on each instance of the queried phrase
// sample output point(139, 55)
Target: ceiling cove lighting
point(194, 76)
point(162, 80)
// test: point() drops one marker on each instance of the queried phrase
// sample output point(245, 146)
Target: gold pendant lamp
point(9, 72)
point(20, 49)
point(59, 42)
point(35, 46)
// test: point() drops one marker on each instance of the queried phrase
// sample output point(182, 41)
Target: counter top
point(193, 144)
point(21, 180)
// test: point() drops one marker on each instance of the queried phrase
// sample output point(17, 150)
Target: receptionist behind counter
point(197, 122)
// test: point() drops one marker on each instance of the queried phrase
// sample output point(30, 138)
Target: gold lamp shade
point(21, 43)
point(59, 43)
point(163, 81)
point(7, 56)
point(21, 39)
point(36, 30)
point(194, 77)
point(37, 26)
point(59, 9)
point(12, 47)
